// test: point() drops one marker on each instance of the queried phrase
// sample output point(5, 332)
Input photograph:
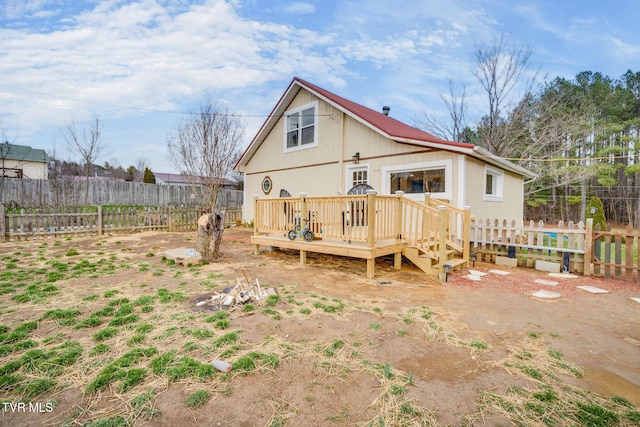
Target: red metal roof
point(388, 125)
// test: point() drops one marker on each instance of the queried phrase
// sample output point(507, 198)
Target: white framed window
point(493, 185)
point(356, 174)
point(301, 127)
point(419, 178)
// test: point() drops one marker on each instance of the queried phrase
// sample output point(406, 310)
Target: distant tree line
point(581, 135)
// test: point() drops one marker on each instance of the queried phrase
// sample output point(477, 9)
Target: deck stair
point(427, 260)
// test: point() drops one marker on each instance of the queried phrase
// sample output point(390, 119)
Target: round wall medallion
point(266, 185)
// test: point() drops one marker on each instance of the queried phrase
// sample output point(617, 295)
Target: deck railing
point(349, 218)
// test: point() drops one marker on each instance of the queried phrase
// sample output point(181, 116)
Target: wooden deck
point(355, 249)
point(368, 226)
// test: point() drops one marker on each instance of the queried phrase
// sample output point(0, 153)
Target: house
point(317, 142)
point(21, 161)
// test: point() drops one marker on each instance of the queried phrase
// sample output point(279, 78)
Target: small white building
point(21, 161)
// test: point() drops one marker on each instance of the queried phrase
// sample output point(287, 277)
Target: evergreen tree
point(598, 212)
point(149, 177)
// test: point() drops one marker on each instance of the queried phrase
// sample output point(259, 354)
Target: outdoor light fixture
point(593, 210)
point(447, 270)
point(356, 158)
point(474, 258)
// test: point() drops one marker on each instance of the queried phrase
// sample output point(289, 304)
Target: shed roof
point(376, 120)
point(22, 153)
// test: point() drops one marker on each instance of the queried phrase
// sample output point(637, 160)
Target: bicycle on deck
point(303, 232)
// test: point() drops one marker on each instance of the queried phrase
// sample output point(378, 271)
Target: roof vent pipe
point(385, 110)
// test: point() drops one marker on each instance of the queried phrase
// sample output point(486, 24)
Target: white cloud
point(302, 8)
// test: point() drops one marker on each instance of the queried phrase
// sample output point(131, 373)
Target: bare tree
point(500, 67)
point(205, 148)
point(87, 144)
point(140, 166)
point(452, 128)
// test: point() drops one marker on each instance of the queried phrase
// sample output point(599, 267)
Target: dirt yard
point(105, 332)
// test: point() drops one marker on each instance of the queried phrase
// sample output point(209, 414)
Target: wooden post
point(303, 220)
point(427, 199)
point(442, 241)
point(399, 218)
point(3, 224)
point(371, 218)
point(256, 219)
point(170, 219)
point(99, 221)
point(397, 257)
point(466, 234)
point(588, 247)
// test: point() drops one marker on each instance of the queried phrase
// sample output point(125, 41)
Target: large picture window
point(301, 127)
point(416, 179)
point(419, 181)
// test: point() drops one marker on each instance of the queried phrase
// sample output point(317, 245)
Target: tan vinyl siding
point(510, 208)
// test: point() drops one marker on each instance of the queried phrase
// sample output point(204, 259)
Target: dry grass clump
point(549, 400)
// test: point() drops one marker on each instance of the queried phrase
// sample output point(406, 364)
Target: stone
point(563, 275)
point(184, 256)
point(500, 272)
point(477, 273)
point(545, 282)
point(507, 262)
point(546, 295)
point(473, 277)
point(552, 267)
point(593, 289)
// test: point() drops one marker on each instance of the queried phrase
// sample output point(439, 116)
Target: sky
point(142, 65)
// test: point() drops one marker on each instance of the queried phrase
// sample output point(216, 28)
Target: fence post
point(466, 233)
point(303, 219)
point(99, 221)
point(3, 224)
point(170, 218)
point(256, 220)
point(442, 241)
point(588, 247)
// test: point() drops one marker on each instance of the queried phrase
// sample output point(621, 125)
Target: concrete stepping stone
point(563, 275)
point(500, 272)
point(593, 289)
point(477, 273)
point(473, 277)
point(546, 294)
point(636, 300)
point(545, 282)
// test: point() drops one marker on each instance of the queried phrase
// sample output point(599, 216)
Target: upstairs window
point(301, 127)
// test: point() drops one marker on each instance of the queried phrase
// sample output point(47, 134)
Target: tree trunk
point(210, 229)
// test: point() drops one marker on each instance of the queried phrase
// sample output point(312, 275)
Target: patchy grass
point(63, 329)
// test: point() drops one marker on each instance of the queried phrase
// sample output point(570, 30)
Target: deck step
point(455, 263)
point(448, 252)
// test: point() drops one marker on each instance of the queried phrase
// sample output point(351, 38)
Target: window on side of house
point(493, 185)
point(419, 181)
point(301, 130)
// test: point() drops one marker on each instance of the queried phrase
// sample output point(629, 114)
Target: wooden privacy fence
point(569, 244)
point(25, 224)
